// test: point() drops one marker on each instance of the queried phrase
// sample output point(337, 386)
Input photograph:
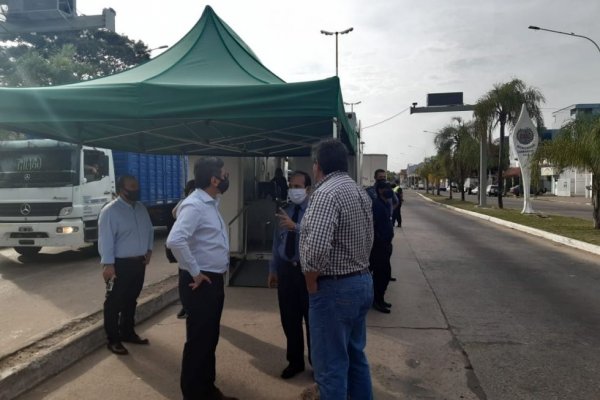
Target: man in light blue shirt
point(125, 242)
point(200, 244)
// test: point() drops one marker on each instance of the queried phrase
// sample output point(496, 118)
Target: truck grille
point(25, 209)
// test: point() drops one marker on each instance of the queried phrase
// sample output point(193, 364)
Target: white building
point(571, 181)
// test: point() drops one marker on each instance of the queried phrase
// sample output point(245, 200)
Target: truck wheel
point(28, 251)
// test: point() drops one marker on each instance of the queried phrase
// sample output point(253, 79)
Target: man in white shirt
point(200, 243)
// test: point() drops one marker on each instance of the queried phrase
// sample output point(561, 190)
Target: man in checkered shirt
point(335, 242)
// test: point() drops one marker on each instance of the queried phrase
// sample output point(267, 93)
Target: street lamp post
point(336, 33)
point(537, 28)
point(352, 105)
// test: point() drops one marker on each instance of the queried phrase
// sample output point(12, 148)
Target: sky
point(398, 52)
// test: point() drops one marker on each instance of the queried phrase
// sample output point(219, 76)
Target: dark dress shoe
point(218, 395)
point(381, 308)
point(117, 348)
point(182, 314)
point(386, 304)
point(135, 339)
point(393, 279)
point(291, 370)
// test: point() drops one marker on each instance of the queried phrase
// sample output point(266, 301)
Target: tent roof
point(209, 94)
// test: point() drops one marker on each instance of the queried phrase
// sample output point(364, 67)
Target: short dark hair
point(378, 171)
point(332, 156)
point(121, 181)
point(189, 187)
point(205, 168)
point(307, 181)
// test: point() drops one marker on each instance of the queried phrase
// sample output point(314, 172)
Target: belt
point(212, 274)
point(336, 277)
point(136, 258)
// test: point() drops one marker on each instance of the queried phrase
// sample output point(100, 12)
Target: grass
point(574, 228)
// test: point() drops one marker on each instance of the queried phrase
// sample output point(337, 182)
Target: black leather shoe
point(393, 279)
point(135, 339)
point(291, 370)
point(381, 308)
point(117, 348)
point(386, 304)
point(218, 395)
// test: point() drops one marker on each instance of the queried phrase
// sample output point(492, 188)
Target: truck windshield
point(38, 167)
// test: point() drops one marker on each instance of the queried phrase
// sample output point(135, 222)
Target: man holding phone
point(125, 241)
point(285, 273)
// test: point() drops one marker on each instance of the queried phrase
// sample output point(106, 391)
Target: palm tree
point(457, 148)
point(577, 145)
point(502, 105)
point(482, 130)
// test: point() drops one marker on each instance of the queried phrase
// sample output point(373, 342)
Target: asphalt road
point(42, 293)
point(549, 205)
point(526, 311)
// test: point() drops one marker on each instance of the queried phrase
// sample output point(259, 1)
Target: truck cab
point(51, 193)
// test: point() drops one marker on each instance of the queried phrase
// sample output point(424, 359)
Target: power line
point(387, 119)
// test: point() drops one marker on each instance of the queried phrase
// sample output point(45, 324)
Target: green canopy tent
point(209, 94)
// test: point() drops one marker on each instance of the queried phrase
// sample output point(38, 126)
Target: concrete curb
point(29, 366)
point(576, 244)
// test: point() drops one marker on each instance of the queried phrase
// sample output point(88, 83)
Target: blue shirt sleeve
point(106, 244)
point(188, 219)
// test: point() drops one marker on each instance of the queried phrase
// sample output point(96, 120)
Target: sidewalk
point(411, 351)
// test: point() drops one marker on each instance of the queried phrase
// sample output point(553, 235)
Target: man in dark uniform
point(381, 252)
point(286, 273)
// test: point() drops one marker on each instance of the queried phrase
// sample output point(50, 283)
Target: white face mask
point(297, 196)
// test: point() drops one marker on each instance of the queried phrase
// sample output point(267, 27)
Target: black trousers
point(397, 216)
point(120, 303)
point(204, 307)
point(293, 309)
point(382, 269)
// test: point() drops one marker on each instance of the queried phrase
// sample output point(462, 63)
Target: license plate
point(25, 229)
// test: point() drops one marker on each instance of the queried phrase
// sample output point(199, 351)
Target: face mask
point(132, 195)
point(297, 196)
point(223, 185)
point(388, 193)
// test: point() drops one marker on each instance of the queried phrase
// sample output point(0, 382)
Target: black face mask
point(132, 195)
point(223, 184)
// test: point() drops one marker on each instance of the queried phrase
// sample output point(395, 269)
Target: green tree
point(577, 145)
point(458, 151)
point(67, 57)
point(501, 106)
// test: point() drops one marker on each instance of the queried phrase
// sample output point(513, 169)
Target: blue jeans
point(338, 336)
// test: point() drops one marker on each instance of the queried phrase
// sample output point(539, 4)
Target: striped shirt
point(337, 229)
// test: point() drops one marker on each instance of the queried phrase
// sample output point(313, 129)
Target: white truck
point(51, 193)
point(370, 163)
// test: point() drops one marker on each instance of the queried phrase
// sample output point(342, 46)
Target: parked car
point(454, 187)
point(474, 190)
point(491, 190)
point(518, 190)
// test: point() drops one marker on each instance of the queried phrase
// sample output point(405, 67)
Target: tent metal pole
point(335, 128)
